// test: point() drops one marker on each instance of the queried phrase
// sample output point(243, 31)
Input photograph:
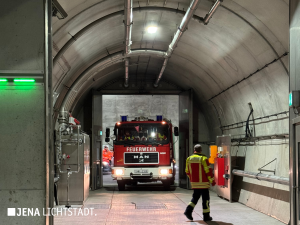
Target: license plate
point(140, 171)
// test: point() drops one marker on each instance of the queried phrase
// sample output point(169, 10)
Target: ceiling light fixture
point(151, 29)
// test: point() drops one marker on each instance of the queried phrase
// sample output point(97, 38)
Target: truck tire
point(166, 185)
point(121, 185)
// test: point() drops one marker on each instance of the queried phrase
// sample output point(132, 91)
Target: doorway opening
point(133, 106)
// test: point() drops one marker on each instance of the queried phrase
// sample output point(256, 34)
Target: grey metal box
point(79, 183)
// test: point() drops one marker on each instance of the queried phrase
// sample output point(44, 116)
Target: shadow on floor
point(141, 187)
point(211, 222)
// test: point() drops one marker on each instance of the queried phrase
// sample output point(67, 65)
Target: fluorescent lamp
point(24, 80)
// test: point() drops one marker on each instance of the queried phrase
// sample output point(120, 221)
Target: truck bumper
point(140, 173)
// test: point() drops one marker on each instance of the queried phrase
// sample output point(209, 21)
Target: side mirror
point(176, 131)
point(113, 137)
point(107, 139)
point(107, 132)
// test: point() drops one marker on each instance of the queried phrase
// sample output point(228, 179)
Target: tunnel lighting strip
point(17, 80)
point(24, 80)
point(245, 78)
point(259, 118)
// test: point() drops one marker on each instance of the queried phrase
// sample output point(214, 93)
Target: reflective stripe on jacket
point(198, 170)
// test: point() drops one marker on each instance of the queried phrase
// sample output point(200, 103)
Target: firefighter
point(161, 137)
point(107, 155)
point(127, 136)
point(201, 176)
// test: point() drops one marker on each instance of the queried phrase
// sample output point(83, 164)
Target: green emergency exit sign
point(294, 99)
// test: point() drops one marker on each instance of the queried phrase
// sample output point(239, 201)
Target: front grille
point(141, 157)
point(141, 177)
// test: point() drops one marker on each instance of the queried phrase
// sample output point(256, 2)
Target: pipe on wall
point(183, 26)
point(212, 11)
point(264, 177)
point(126, 72)
point(128, 25)
point(161, 72)
point(128, 30)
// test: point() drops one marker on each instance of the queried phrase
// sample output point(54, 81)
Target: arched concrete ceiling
point(241, 38)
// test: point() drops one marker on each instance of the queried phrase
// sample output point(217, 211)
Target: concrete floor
point(149, 204)
point(108, 181)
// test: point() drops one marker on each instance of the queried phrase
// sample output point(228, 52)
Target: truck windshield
point(146, 133)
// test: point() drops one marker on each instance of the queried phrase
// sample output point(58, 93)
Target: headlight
point(163, 171)
point(119, 172)
point(105, 163)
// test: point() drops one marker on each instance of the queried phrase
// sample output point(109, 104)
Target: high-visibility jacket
point(162, 136)
point(198, 171)
point(107, 154)
point(125, 138)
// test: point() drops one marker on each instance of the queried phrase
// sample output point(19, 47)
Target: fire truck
point(143, 151)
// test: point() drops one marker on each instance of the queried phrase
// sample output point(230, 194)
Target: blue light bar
point(123, 118)
point(158, 118)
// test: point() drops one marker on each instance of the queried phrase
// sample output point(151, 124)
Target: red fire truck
point(143, 151)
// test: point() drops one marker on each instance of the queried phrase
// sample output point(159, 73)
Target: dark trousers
point(205, 199)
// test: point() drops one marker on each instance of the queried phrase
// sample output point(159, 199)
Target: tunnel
point(77, 76)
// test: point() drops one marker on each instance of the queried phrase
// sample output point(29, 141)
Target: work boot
point(206, 217)
point(188, 212)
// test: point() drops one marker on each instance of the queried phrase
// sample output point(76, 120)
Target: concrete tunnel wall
point(23, 143)
point(242, 37)
point(267, 91)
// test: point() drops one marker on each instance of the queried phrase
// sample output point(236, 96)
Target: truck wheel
point(121, 185)
point(166, 185)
